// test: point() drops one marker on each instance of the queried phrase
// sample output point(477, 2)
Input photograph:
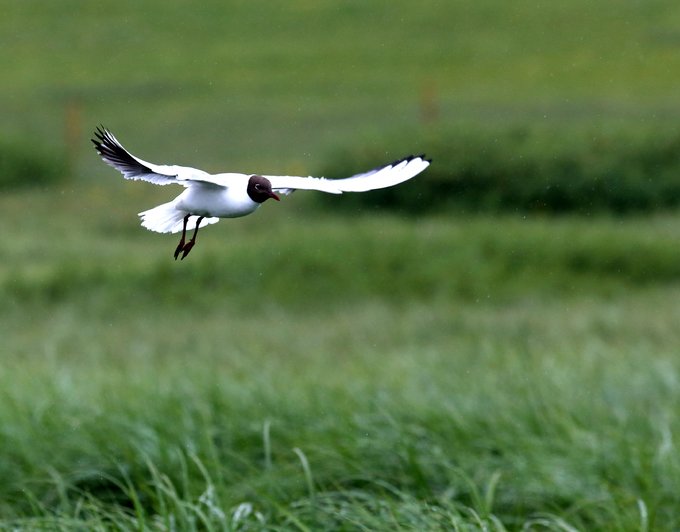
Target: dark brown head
point(260, 189)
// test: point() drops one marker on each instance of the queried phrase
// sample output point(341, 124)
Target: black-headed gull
point(209, 197)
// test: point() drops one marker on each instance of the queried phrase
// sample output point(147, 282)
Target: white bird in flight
point(209, 197)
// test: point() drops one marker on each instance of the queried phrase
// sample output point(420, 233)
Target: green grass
point(301, 371)
point(513, 413)
point(307, 371)
point(576, 168)
point(277, 87)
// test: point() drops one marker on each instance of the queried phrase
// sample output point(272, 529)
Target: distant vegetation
point(528, 169)
point(315, 370)
point(312, 373)
point(241, 87)
point(24, 165)
point(399, 260)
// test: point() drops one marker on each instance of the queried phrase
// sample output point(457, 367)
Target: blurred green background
point(493, 345)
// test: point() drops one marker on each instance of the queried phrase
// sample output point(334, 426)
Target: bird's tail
point(167, 218)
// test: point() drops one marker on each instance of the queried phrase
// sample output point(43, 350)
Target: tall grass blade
point(266, 440)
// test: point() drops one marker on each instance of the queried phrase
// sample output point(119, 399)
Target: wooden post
point(429, 103)
point(72, 132)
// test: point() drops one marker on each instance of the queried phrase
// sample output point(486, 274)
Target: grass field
point(307, 369)
point(277, 87)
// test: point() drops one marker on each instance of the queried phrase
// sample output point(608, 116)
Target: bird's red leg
point(190, 244)
point(180, 246)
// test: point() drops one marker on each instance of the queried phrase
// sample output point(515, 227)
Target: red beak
point(274, 196)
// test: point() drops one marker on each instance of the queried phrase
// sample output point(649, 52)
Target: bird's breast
point(214, 201)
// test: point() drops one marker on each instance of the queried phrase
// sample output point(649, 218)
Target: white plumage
point(209, 197)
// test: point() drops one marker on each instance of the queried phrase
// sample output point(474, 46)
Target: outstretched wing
point(114, 154)
point(381, 177)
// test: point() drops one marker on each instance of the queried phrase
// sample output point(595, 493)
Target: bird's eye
point(257, 186)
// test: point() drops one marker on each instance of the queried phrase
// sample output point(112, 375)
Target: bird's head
point(260, 189)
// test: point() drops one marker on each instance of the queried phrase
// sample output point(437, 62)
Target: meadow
point(313, 371)
point(325, 367)
point(274, 88)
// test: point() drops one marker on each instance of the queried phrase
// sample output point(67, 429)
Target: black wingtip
point(101, 134)
point(423, 157)
point(113, 153)
point(106, 144)
point(410, 158)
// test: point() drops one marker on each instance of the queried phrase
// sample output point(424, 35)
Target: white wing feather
point(382, 177)
point(114, 154)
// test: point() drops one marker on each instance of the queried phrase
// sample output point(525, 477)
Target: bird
point(209, 197)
